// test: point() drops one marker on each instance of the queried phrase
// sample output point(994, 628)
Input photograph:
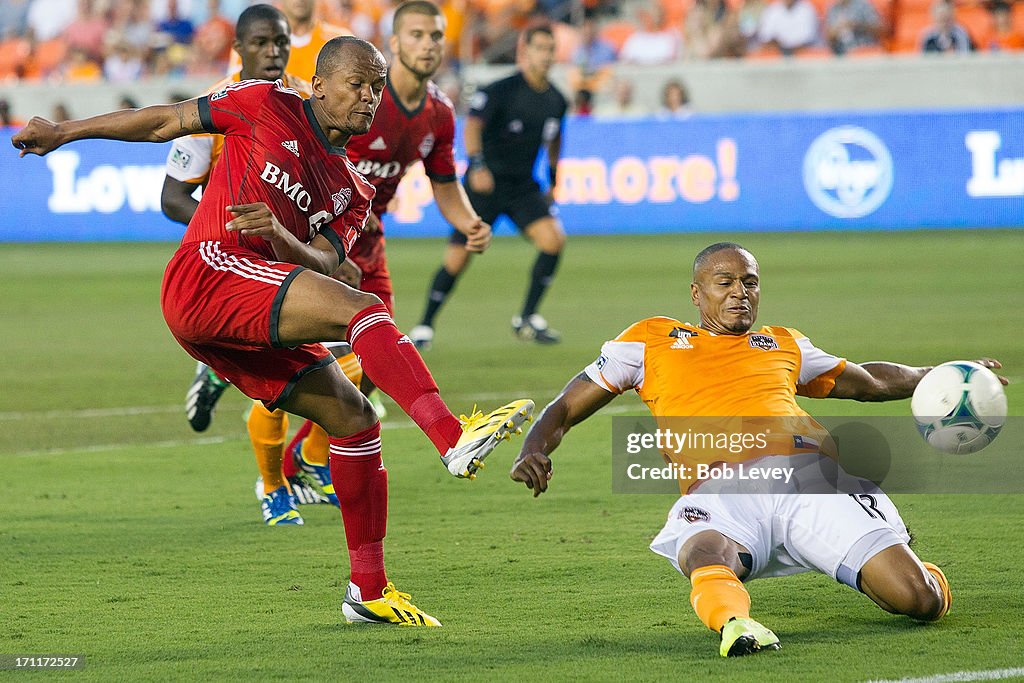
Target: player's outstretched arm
point(580, 399)
point(455, 207)
point(883, 381)
point(158, 123)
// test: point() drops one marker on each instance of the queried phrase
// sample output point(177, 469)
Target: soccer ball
point(959, 407)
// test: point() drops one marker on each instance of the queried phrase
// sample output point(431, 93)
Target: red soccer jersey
point(275, 152)
point(399, 138)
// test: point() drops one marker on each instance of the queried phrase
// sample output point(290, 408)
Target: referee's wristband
point(476, 161)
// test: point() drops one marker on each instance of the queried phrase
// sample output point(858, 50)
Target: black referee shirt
point(517, 121)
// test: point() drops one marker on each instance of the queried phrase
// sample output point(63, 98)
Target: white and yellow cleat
point(393, 607)
point(481, 433)
point(746, 637)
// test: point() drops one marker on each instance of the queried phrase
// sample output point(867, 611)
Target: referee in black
point(508, 122)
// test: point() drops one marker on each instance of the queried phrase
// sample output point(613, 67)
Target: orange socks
point(351, 367)
point(940, 578)
point(317, 445)
point(717, 595)
point(267, 432)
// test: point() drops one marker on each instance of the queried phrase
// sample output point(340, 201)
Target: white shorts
point(835, 534)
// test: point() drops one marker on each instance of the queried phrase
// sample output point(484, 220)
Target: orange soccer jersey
point(683, 371)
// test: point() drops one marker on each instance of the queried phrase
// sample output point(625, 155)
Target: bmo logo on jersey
point(387, 169)
point(294, 191)
point(848, 172)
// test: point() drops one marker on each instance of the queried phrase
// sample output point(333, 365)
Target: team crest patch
point(181, 159)
point(601, 361)
point(426, 146)
point(692, 514)
point(341, 199)
point(218, 95)
point(763, 342)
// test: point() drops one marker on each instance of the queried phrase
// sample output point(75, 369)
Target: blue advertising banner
point(754, 172)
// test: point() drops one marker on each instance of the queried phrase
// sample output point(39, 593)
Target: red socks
point(391, 361)
point(289, 466)
point(361, 483)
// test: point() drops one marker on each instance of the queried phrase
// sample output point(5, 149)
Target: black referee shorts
point(523, 202)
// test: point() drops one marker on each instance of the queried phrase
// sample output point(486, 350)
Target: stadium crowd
point(121, 41)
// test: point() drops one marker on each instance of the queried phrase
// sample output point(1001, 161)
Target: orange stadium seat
point(1018, 17)
point(14, 53)
point(910, 25)
point(617, 33)
point(48, 55)
point(978, 22)
point(673, 12)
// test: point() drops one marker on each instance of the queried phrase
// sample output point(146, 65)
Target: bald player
point(717, 538)
point(249, 290)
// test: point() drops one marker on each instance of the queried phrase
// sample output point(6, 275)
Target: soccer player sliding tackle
point(720, 536)
point(248, 292)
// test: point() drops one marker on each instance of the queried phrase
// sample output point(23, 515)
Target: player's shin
point(362, 489)
point(267, 432)
point(717, 595)
point(391, 361)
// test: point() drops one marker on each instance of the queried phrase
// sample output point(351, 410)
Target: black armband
point(476, 161)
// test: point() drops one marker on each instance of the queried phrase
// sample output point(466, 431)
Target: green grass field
point(138, 543)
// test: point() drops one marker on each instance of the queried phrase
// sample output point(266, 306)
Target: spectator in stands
point(592, 61)
point(850, 24)
point(131, 25)
point(6, 117)
point(712, 30)
point(87, 31)
point(622, 105)
point(123, 64)
point(583, 103)
point(80, 68)
point(13, 18)
point(788, 26)
point(749, 20)
point(49, 18)
point(945, 35)
point(213, 38)
point(675, 101)
point(1004, 37)
point(178, 28)
point(651, 43)
point(359, 22)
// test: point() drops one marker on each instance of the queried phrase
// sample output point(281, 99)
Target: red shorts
point(368, 253)
point(222, 304)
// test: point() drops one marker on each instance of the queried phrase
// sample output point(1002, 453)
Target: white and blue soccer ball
point(959, 407)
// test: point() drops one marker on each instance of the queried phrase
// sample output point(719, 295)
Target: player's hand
point(993, 364)
point(478, 237)
point(372, 223)
point(481, 181)
point(255, 220)
point(349, 273)
point(38, 137)
point(534, 470)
